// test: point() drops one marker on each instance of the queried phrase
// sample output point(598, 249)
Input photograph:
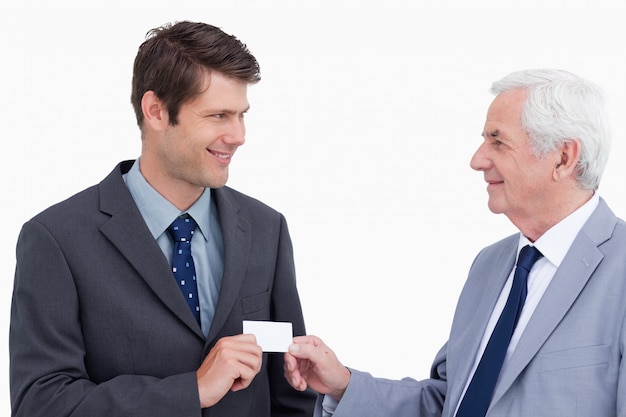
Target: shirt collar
point(157, 211)
point(555, 243)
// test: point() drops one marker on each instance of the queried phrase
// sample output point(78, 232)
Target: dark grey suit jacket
point(99, 326)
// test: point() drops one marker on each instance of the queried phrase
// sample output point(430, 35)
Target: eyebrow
point(230, 111)
point(492, 133)
point(225, 111)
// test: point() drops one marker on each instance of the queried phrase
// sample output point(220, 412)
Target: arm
point(310, 362)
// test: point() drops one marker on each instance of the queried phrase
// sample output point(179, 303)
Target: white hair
point(562, 107)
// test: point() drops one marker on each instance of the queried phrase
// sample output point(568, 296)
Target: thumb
point(300, 351)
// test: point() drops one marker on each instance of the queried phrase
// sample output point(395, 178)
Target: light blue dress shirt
point(207, 247)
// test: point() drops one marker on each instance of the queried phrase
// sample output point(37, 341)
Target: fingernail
point(294, 348)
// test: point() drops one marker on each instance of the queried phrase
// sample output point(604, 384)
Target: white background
point(360, 132)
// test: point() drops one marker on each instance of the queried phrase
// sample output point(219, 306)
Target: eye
point(218, 115)
point(494, 138)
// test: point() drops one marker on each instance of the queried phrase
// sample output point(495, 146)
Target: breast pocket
point(256, 307)
point(581, 357)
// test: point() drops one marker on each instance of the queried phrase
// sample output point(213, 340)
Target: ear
point(567, 160)
point(154, 112)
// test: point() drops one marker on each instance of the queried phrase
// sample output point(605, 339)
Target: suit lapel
point(127, 230)
point(466, 346)
point(576, 269)
point(236, 233)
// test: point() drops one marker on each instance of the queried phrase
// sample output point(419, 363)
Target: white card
point(272, 336)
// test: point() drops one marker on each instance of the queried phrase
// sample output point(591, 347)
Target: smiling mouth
point(223, 156)
point(492, 184)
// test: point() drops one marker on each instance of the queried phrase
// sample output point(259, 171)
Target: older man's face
point(518, 182)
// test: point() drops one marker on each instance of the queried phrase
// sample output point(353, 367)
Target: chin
point(214, 180)
point(495, 207)
point(216, 183)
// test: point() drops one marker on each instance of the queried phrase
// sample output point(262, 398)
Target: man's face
point(197, 151)
point(518, 182)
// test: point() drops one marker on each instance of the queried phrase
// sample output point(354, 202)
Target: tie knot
point(528, 256)
point(181, 229)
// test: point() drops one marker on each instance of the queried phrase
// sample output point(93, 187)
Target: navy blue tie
point(478, 395)
point(181, 231)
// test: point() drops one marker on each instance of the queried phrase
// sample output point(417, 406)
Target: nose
point(480, 160)
point(236, 134)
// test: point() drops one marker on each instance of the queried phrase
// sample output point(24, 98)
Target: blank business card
point(272, 336)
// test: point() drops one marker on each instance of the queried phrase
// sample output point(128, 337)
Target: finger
point(290, 362)
point(238, 343)
point(292, 373)
point(295, 380)
point(308, 339)
point(298, 384)
point(312, 349)
point(247, 338)
point(246, 376)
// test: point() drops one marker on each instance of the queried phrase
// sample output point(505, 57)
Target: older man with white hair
point(543, 336)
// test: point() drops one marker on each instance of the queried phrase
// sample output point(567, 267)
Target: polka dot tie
point(181, 231)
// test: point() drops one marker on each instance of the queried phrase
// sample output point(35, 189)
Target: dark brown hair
point(175, 57)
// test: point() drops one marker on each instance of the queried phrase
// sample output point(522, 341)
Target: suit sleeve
point(48, 375)
point(367, 396)
point(286, 402)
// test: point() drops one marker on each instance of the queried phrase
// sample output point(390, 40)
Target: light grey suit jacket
point(99, 327)
point(569, 360)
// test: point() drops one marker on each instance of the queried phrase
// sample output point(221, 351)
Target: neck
point(180, 193)
point(535, 225)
